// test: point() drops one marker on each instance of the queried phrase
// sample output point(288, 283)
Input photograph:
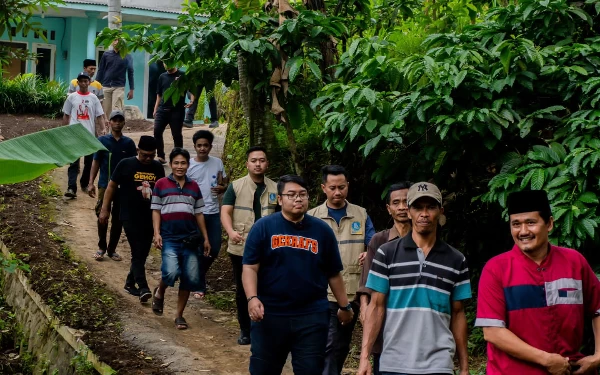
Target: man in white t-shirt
point(83, 107)
point(209, 173)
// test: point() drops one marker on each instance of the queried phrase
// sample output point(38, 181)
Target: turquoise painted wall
point(71, 49)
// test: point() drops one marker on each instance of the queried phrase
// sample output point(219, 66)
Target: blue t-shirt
point(117, 151)
point(296, 262)
point(338, 213)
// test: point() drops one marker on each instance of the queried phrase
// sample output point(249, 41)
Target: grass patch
point(223, 300)
point(48, 188)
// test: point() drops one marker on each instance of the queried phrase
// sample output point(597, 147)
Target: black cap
point(89, 62)
point(83, 75)
point(147, 143)
point(528, 201)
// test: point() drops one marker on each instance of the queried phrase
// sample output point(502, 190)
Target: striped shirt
point(420, 291)
point(178, 206)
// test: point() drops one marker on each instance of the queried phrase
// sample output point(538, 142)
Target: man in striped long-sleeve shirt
point(177, 218)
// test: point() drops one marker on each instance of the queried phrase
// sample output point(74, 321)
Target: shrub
point(29, 93)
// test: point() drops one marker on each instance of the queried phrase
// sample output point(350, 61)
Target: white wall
point(168, 5)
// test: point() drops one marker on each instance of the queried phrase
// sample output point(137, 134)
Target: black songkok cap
point(147, 143)
point(89, 62)
point(528, 201)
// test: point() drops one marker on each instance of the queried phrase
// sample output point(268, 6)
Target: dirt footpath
point(209, 345)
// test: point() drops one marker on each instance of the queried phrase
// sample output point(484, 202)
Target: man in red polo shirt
point(534, 299)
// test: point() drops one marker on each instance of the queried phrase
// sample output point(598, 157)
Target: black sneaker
point(214, 124)
point(70, 193)
point(188, 124)
point(132, 290)
point(244, 338)
point(145, 295)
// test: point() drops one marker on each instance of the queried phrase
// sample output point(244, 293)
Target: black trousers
point(139, 236)
point(173, 118)
point(74, 169)
point(212, 103)
point(338, 340)
point(240, 294)
point(116, 227)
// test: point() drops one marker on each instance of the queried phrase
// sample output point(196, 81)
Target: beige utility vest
point(243, 211)
point(350, 235)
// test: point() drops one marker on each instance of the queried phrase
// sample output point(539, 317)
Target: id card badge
point(272, 198)
point(356, 228)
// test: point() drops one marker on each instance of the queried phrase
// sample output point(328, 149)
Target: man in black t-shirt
point(134, 179)
point(168, 113)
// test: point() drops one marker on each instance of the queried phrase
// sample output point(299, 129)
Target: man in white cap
point(419, 283)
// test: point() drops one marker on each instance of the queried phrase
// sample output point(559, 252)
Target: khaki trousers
point(113, 99)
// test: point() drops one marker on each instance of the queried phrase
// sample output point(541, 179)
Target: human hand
point(256, 310)
point(158, 243)
point(236, 238)
point(206, 248)
point(154, 114)
point(556, 364)
point(219, 189)
point(361, 258)
point(464, 372)
point(91, 190)
point(345, 316)
point(586, 364)
point(189, 104)
point(103, 217)
point(130, 95)
point(364, 368)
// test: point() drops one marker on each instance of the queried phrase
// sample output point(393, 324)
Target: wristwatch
point(347, 307)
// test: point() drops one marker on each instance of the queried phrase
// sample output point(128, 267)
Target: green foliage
point(512, 100)
point(28, 93)
point(81, 365)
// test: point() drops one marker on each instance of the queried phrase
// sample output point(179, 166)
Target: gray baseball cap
point(423, 189)
point(116, 113)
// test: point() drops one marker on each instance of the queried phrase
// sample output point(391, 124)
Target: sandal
point(157, 303)
point(198, 295)
point(99, 255)
point(116, 257)
point(180, 323)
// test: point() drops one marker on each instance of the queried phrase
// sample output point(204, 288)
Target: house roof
point(129, 6)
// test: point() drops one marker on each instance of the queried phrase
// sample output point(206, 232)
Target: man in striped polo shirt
point(420, 283)
point(177, 218)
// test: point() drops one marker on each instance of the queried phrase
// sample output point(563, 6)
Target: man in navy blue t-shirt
point(289, 260)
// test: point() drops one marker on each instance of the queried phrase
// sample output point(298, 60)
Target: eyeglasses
point(294, 196)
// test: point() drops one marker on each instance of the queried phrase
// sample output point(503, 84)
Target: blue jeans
point(273, 338)
point(213, 227)
point(180, 262)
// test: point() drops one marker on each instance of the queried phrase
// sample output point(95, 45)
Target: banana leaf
point(28, 157)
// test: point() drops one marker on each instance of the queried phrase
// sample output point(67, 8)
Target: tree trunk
point(114, 14)
point(255, 109)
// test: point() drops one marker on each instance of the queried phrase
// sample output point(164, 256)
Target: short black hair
point(290, 178)
point(335, 170)
point(179, 151)
point(203, 134)
point(255, 148)
point(395, 187)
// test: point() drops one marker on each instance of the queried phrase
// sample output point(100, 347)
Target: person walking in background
point(178, 222)
point(133, 179)
point(212, 105)
point(397, 207)
point(82, 107)
point(289, 260)
point(113, 71)
point(209, 174)
point(353, 229)
point(534, 299)
point(95, 87)
point(119, 147)
point(246, 200)
point(419, 284)
point(168, 112)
